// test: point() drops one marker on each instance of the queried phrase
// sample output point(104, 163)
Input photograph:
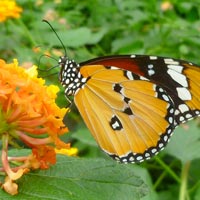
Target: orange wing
point(179, 78)
point(190, 108)
point(130, 117)
point(131, 109)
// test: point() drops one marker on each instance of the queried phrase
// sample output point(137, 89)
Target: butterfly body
point(131, 104)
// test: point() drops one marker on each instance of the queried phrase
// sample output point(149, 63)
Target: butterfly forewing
point(180, 79)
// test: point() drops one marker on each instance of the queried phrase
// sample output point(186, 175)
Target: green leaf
point(84, 136)
point(185, 143)
point(171, 193)
point(80, 179)
point(96, 37)
point(76, 37)
point(197, 195)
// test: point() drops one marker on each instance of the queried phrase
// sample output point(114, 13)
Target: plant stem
point(183, 195)
point(162, 176)
point(27, 32)
point(168, 169)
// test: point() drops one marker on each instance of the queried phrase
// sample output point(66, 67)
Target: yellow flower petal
point(68, 152)
point(32, 72)
point(9, 9)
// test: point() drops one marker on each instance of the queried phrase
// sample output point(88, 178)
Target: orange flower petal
point(10, 187)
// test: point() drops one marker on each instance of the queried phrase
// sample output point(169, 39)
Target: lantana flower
point(9, 9)
point(28, 116)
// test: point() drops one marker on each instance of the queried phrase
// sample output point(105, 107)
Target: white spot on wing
point(131, 159)
point(154, 150)
point(197, 112)
point(165, 97)
point(177, 68)
point(129, 75)
point(188, 116)
point(176, 112)
point(147, 155)
point(133, 56)
point(83, 80)
point(165, 138)
point(170, 120)
point(181, 118)
point(153, 57)
point(151, 72)
point(179, 78)
point(183, 108)
point(115, 125)
point(150, 66)
point(170, 61)
point(143, 78)
point(161, 145)
point(183, 93)
point(113, 67)
point(139, 158)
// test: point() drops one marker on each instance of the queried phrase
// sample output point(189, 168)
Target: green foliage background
point(95, 28)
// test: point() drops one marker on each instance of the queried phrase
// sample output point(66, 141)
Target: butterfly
point(132, 103)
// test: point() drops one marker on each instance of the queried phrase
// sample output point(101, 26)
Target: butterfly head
point(63, 61)
point(70, 77)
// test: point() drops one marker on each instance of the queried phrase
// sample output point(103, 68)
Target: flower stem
point(5, 163)
point(19, 159)
point(26, 31)
point(5, 137)
point(34, 141)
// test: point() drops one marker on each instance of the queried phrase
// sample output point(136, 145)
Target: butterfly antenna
point(56, 36)
point(45, 70)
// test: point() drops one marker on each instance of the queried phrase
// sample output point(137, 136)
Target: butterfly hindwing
point(130, 117)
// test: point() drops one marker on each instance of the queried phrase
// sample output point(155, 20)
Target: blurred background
point(96, 28)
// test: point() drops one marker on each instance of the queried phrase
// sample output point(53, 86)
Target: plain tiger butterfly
point(132, 103)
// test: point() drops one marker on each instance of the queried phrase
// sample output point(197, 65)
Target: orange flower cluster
point(28, 113)
point(9, 9)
